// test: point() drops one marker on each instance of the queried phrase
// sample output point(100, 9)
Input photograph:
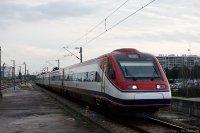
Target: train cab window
point(138, 68)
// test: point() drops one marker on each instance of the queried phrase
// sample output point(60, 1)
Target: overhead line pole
point(71, 53)
point(13, 73)
point(3, 71)
point(81, 54)
point(0, 74)
point(58, 63)
point(25, 73)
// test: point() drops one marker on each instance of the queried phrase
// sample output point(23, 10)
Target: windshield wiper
point(155, 71)
point(125, 70)
point(127, 75)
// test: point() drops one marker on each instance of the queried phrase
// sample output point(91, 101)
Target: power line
point(122, 20)
point(131, 14)
point(104, 21)
point(100, 22)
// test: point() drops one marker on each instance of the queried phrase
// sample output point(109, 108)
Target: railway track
point(5, 86)
point(143, 125)
point(151, 125)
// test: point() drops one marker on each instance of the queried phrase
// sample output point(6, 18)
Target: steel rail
point(170, 125)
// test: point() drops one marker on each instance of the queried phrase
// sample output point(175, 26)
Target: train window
point(92, 76)
point(70, 77)
point(79, 77)
point(74, 77)
point(140, 70)
point(97, 77)
point(111, 72)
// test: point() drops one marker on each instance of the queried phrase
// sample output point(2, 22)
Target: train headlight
point(133, 87)
point(161, 87)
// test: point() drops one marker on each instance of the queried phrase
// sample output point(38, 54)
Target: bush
point(187, 92)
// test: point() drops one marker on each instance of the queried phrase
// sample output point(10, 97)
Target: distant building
point(170, 61)
point(7, 72)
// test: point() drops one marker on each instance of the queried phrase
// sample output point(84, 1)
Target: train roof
point(117, 51)
point(122, 50)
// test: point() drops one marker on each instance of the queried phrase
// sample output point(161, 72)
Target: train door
point(104, 67)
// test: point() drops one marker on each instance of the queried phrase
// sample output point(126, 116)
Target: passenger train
point(125, 79)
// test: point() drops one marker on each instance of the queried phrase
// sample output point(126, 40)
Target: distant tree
point(168, 73)
point(175, 73)
point(184, 72)
point(195, 72)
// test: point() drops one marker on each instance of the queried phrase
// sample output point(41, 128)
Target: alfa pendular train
point(125, 79)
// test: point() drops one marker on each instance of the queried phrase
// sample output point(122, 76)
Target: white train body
point(93, 81)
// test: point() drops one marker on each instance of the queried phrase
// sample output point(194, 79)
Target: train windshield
point(138, 68)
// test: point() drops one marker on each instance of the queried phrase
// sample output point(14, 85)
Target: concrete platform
point(189, 106)
point(29, 110)
point(187, 99)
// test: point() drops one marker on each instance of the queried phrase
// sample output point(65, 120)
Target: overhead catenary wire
point(103, 21)
point(122, 20)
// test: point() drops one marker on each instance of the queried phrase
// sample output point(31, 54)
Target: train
point(124, 80)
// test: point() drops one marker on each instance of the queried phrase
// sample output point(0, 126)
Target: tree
point(175, 72)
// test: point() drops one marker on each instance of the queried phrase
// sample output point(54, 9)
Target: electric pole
point(20, 74)
point(0, 74)
point(25, 73)
point(80, 58)
point(58, 63)
point(81, 54)
point(3, 71)
point(13, 73)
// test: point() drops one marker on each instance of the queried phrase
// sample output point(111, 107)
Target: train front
point(140, 79)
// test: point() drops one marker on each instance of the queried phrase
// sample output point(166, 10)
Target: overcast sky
point(35, 31)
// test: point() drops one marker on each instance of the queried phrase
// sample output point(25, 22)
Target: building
point(170, 61)
point(7, 72)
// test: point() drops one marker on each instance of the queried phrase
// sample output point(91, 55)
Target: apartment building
point(170, 61)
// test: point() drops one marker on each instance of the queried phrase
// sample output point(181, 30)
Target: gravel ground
point(29, 110)
point(179, 118)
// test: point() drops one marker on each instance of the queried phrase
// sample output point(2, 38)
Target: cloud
point(50, 10)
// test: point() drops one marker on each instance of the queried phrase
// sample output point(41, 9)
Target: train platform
point(29, 110)
point(187, 99)
point(189, 106)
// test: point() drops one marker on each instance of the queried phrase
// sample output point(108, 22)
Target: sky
point(35, 31)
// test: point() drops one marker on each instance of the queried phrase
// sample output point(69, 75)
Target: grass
point(192, 93)
point(25, 87)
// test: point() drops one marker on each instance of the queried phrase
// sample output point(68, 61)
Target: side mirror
point(112, 74)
